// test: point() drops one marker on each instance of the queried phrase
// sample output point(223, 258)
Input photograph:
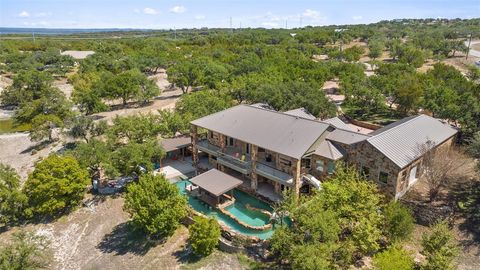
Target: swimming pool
point(238, 209)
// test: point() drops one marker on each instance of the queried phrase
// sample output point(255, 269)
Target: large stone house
point(272, 151)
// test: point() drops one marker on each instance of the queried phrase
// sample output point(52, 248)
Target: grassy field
point(7, 126)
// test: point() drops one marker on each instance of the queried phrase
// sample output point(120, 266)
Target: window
point(230, 141)
point(383, 177)
point(247, 148)
point(285, 161)
point(413, 175)
point(365, 172)
point(306, 163)
point(319, 165)
point(331, 167)
point(211, 134)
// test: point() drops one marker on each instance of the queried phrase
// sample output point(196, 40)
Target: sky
point(169, 14)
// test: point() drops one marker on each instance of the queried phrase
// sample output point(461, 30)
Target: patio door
point(413, 176)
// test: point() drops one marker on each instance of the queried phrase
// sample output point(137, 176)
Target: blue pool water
point(238, 209)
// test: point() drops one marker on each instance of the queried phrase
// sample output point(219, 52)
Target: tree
point(26, 87)
point(27, 251)
point(412, 56)
point(135, 157)
point(57, 184)
point(399, 221)
point(43, 127)
point(185, 74)
point(394, 257)
point(202, 103)
point(375, 49)
point(204, 234)
point(171, 122)
point(87, 92)
point(134, 128)
point(439, 248)
point(95, 155)
point(12, 200)
point(353, 53)
point(438, 166)
point(473, 147)
point(155, 205)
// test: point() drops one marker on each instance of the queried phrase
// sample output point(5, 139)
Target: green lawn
point(7, 126)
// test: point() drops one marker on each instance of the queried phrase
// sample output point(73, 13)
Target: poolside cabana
point(214, 185)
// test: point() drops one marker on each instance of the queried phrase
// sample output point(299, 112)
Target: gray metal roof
point(172, 144)
point(401, 140)
point(301, 112)
point(285, 134)
point(337, 122)
point(346, 136)
point(328, 150)
point(216, 182)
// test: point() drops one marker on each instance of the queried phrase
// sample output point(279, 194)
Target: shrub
point(57, 183)
point(156, 206)
point(204, 235)
point(393, 258)
point(26, 251)
point(399, 221)
point(12, 200)
point(439, 248)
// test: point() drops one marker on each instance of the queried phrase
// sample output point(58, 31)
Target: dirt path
point(16, 150)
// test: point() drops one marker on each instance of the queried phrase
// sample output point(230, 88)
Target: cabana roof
point(216, 182)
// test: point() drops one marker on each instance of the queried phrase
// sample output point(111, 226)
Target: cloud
point(178, 9)
point(43, 14)
point(200, 17)
point(310, 13)
point(270, 24)
point(24, 14)
point(357, 18)
point(150, 11)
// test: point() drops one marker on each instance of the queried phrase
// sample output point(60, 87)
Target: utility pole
point(301, 21)
point(469, 42)
point(175, 32)
point(33, 36)
point(286, 24)
point(231, 25)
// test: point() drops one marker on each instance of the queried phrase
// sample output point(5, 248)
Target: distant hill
point(62, 31)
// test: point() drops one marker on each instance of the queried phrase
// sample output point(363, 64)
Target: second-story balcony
point(230, 157)
point(205, 146)
point(274, 174)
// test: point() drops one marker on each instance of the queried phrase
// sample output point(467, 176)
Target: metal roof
point(282, 133)
point(346, 136)
point(337, 122)
point(172, 144)
point(301, 112)
point(401, 140)
point(216, 182)
point(328, 150)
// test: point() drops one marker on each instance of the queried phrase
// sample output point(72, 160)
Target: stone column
point(223, 142)
point(194, 136)
point(253, 157)
point(297, 167)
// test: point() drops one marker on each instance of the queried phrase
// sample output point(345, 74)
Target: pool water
point(238, 209)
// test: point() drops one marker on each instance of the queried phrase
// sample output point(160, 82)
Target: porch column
point(253, 158)
point(223, 142)
point(194, 136)
point(296, 176)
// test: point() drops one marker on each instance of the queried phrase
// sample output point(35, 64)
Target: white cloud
point(43, 14)
point(178, 9)
point(270, 24)
point(24, 14)
point(200, 17)
point(310, 13)
point(150, 11)
point(357, 18)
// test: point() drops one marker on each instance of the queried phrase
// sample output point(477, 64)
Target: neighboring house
point(272, 151)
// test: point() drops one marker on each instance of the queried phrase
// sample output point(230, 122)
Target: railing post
point(296, 177)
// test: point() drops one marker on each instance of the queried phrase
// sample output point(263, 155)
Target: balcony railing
point(207, 147)
point(234, 163)
point(274, 174)
point(226, 158)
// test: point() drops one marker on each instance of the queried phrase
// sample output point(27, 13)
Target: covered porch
point(214, 188)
